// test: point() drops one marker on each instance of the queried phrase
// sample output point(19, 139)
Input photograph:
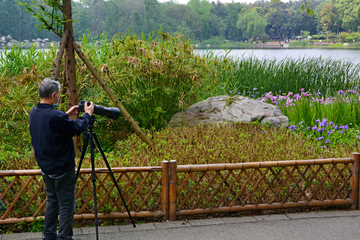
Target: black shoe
point(50, 238)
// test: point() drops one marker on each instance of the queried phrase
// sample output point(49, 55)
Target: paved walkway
point(312, 225)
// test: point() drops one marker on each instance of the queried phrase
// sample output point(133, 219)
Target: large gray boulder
point(225, 109)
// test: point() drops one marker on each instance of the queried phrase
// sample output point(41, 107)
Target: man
point(51, 136)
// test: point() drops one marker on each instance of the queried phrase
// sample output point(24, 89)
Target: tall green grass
point(16, 59)
point(288, 75)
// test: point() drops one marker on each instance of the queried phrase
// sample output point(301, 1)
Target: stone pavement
point(312, 225)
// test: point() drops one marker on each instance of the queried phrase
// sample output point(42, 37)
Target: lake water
point(279, 54)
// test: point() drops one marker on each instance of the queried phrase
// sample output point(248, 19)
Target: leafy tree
point(203, 27)
point(252, 24)
point(232, 16)
point(349, 13)
point(328, 16)
point(10, 18)
point(277, 18)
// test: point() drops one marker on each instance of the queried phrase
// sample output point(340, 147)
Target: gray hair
point(47, 87)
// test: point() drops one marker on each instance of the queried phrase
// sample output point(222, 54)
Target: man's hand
point(89, 109)
point(73, 111)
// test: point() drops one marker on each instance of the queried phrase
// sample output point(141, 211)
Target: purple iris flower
point(292, 127)
point(320, 138)
point(345, 127)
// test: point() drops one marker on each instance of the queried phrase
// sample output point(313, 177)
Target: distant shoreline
point(274, 47)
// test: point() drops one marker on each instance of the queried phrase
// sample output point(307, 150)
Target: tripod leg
point(113, 178)
point(85, 144)
point(92, 147)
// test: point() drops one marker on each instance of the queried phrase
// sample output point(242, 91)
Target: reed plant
point(243, 75)
point(13, 61)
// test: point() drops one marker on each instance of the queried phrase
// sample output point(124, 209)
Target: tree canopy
point(198, 19)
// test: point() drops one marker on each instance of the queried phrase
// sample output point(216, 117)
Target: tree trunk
point(70, 64)
point(70, 57)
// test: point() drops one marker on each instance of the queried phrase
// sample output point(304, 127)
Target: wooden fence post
point(172, 190)
point(355, 180)
point(165, 189)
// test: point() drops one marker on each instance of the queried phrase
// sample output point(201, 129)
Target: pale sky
point(223, 1)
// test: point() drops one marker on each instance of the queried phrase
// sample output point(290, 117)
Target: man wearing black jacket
point(51, 136)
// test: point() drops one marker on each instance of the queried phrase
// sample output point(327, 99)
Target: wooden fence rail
point(169, 191)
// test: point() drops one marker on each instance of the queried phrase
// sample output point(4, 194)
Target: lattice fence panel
point(24, 196)
point(253, 186)
point(141, 191)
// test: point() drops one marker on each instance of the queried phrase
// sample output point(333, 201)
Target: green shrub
point(318, 36)
point(214, 41)
point(299, 43)
point(342, 36)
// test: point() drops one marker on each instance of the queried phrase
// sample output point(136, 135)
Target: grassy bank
point(306, 43)
point(157, 76)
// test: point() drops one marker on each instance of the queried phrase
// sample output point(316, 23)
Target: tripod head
point(92, 122)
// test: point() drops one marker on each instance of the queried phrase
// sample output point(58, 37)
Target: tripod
point(90, 136)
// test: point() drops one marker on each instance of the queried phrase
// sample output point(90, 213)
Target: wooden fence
point(169, 191)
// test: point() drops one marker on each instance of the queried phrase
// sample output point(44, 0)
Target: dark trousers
point(60, 191)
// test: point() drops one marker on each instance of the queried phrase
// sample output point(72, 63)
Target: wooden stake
point(172, 190)
point(59, 56)
point(165, 189)
point(355, 180)
point(112, 96)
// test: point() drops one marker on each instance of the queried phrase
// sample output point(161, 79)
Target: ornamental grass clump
point(153, 76)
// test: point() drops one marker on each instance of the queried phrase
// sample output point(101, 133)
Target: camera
point(110, 112)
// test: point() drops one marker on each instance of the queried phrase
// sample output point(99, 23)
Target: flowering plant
point(328, 133)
